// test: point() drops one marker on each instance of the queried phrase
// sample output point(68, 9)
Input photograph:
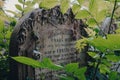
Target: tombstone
point(45, 33)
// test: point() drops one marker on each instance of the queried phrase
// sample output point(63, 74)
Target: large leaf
point(18, 7)
point(27, 61)
point(80, 73)
point(75, 8)
point(112, 42)
point(93, 7)
point(104, 69)
point(48, 3)
point(113, 58)
point(45, 63)
point(65, 4)
point(82, 14)
point(72, 67)
point(91, 22)
point(101, 15)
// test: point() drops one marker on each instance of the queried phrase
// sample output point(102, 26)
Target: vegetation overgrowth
point(104, 47)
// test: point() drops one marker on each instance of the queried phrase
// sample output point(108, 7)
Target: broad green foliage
point(112, 42)
point(72, 68)
point(45, 63)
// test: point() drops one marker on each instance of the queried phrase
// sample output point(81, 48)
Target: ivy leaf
point(65, 4)
point(48, 3)
point(75, 8)
point(18, 7)
point(91, 22)
point(82, 14)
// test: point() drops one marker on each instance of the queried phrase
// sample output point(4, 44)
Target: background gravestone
point(45, 33)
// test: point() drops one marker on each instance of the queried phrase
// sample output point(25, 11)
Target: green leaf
point(28, 3)
point(65, 4)
point(21, 1)
point(101, 15)
point(91, 22)
point(1, 25)
point(64, 77)
point(80, 73)
point(8, 34)
point(104, 69)
point(80, 1)
point(48, 3)
point(75, 8)
point(28, 61)
point(47, 63)
point(113, 75)
point(93, 54)
point(93, 7)
point(113, 58)
point(72, 67)
point(18, 7)
point(111, 43)
point(82, 14)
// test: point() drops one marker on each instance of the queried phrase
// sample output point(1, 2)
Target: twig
point(99, 61)
point(112, 15)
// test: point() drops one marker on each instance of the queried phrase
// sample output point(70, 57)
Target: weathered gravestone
point(45, 33)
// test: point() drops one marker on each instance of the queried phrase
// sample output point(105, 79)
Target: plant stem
point(115, 4)
point(99, 61)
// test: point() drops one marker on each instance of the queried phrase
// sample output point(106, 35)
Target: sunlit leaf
point(104, 69)
point(93, 7)
point(80, 1)
point(65, 4)
point(18, 7)
point(101, 16)
point(82, 14)
point(75, 8)
point(72, 67)
point(113, 58)
point(27, 61)
point(91, 22)
point(48, 3)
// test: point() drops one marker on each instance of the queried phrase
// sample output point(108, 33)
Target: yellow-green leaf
point(65, 4)
point(82, 14)
point(76, 8)
point(18, 7)
point(48, 3)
